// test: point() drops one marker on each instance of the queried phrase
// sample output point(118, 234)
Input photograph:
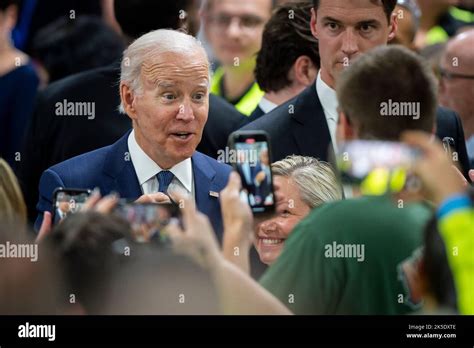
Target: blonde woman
point(304, 183)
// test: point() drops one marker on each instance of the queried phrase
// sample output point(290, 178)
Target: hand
point(260, 177)
point(158, 197)
point(198, 239)
point(434, 169)
point(236, 214)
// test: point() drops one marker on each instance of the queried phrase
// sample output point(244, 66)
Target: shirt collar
point(266, 105)
point(146, 168)
point(327, 96)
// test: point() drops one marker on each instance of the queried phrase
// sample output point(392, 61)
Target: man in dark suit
point(306, 124)
point(164, 87)
point(52, 139)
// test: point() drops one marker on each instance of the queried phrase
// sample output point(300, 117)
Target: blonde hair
point(315, 179)
point(12, 204)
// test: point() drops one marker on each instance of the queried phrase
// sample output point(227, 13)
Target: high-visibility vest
point(457, 231)
point(437, 34)
point(247, 103)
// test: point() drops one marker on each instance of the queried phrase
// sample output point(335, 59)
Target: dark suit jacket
point(299, 127)
point(256, 114)
point(108, 169)
point(52, 139)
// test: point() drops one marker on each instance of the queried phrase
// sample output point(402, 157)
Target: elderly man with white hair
point(164, 89)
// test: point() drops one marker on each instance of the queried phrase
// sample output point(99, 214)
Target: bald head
point(459, 51)
point(457, 82)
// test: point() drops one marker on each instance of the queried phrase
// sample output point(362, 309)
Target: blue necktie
point(164, 180)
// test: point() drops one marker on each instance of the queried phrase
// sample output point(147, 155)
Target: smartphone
point(377, 166)
point(147, 220)
point(67, 201)
point(448, 144)
point(251, 157)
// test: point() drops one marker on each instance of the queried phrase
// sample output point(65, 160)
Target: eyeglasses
point(448, 75)
point(222, 21)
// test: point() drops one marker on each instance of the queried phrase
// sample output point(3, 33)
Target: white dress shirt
point(147, 170)
point(266, 105)
point(328, 99)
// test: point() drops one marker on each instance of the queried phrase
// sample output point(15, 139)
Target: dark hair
point(137, 17)
point(384, 77)
point(388, 6)
point(287, 36)
point(83, 245)
point(436, 267)
point(66, 47)
point(6, 3)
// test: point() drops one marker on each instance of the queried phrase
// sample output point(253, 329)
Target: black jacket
point(299, 127)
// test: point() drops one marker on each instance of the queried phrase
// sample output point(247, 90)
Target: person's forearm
point(240, 294)
point(235, 250)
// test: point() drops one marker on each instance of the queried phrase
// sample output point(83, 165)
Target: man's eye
point(199, 96)
point(333, 26)
point(169, 96)
point(366, 28)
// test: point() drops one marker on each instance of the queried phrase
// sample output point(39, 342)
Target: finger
point(471, 175)
point(234, 183)
point(45, 226)
point(460, 176)
point(423, 141)
point(107, 204)
point(92, 200)
point(187, 205)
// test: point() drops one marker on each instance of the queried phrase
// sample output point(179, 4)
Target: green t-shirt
point(346, 257)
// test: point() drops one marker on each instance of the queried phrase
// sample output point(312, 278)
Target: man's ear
point(304, 71)
point(128, 100)
point(346, 127)
point(393, 27)
point(313, 23)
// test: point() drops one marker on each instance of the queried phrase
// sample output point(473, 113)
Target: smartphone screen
point(377, 166)
point(147, 220)
point(67, 202)
point(253, 163)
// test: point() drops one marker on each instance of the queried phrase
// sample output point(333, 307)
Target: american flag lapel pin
point(214, 194)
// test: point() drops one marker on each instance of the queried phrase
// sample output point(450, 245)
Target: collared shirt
point(328, 99)
point(147, 169)
point(266, 105)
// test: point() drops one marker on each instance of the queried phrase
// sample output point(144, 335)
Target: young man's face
point(347, 28)
point(234, 28)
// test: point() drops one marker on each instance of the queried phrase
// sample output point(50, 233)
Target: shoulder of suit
point(211, 161)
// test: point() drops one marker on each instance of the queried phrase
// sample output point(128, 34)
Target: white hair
point(147, 47)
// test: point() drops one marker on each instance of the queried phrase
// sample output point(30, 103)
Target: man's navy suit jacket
point(111, 169)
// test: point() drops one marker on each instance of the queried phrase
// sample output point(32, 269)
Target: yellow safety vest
point(438, 34)
point(457, 230)
point(247, 103)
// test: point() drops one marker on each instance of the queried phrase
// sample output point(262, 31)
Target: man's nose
point(185, 112)
point(234, 30)
point(349, 43)
point(268, 226)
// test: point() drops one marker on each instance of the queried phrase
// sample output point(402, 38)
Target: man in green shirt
point(353, 256)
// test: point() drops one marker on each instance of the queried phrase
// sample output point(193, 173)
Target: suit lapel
point(118, 165)
point(310, 128)
point(203, 184)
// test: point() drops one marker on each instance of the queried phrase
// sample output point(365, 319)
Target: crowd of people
point(131, 103)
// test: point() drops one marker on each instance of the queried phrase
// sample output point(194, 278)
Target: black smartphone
point(147, 220)
point(67, 201)
point(251, 157)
